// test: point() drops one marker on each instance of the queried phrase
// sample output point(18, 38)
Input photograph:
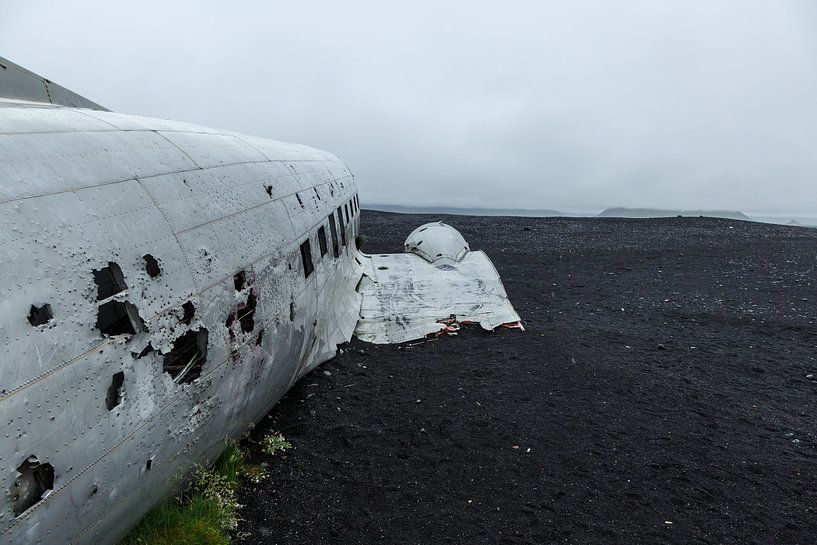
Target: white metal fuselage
point(119, 379)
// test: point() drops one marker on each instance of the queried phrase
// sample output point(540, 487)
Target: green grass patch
point(205, 514)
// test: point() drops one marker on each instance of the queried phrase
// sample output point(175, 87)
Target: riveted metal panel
point(42, 163)
point(17, 82)
point(33, 120)
point(212, 150)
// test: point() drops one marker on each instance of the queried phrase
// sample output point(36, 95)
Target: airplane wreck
point(165, 285)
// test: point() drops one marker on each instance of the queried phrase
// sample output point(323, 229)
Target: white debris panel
point(437, 284)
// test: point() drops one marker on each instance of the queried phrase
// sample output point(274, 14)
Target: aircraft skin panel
point(225, 257)
point(129, 122)
point(52, 244)
point(285, 151)
point(45, 163)
point(198, 197)
point(212, 150)
point(15, 119)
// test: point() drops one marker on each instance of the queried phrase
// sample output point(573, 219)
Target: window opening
point(322, 239)
point(342, 230)
point(306, 257)
point(333, 230)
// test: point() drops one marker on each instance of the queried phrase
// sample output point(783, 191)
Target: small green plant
point(231, 462)
point(274, 442)
point(255, 473)
point(206, 513)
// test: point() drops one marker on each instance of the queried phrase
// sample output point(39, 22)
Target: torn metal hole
point(189, 311)
point(185, 360)
point(229, 325)
point(247, 314)
point(259, 338)
point(40, 315)
point(145, 351)
point(109, 281)
point(292, 311)
point(268, 189)
point(34, 479)
point(115, 392)
point(240, 279)
point(152, 266)
point(382, 268)
point(119, 318)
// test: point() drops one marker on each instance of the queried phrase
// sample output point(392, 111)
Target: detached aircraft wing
point(436, 285)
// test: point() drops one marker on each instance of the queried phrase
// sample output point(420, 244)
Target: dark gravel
point(659, 395)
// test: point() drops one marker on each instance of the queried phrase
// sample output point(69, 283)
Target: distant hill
point(657, 213)
point(795, 221)
point(463, 211)
point(618, 212)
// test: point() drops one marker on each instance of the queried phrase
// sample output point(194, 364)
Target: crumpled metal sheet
point(405, 297)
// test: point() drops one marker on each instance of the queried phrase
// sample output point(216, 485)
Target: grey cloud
point(572, 104)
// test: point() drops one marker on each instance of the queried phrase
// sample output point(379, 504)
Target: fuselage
point(164, 284)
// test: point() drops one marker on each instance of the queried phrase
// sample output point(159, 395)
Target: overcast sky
point(576, 105)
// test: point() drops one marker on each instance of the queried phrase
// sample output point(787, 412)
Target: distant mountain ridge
point(621, 212)
point(464, 211)
point(616, 212)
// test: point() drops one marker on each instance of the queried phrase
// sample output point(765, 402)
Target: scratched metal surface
point(81, 188)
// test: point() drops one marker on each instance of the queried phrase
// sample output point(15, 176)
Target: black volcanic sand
point(659, 395)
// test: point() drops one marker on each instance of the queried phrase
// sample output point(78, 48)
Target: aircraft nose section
point(435, 241)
